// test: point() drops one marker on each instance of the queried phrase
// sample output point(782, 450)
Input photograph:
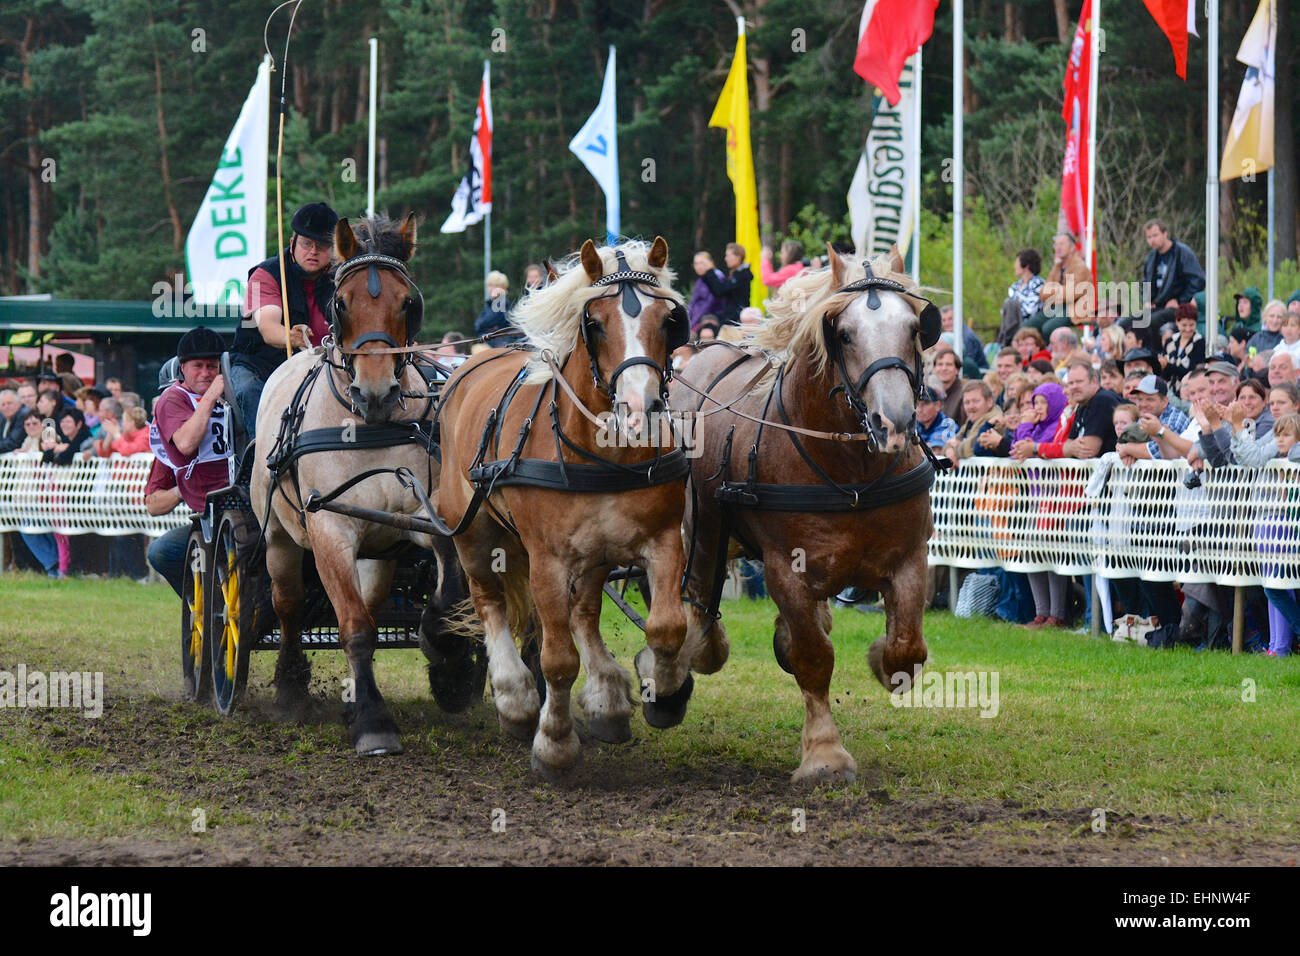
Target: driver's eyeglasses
point(311, 245)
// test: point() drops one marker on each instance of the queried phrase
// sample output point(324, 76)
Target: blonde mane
point(550, 317)
point(794, 323)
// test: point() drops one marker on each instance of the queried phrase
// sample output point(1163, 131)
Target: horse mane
point(382, 235)
point(550, 317)
point(794, 323)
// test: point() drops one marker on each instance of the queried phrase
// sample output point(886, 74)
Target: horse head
point(876, 342)
point(376, 308)
point(631, 329)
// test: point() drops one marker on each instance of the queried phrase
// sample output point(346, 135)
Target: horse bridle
point(926, 337)
point(627, 279)
point(414, 308)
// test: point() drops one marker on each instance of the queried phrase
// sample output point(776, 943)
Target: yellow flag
point(732, 114)
point(1249, 149)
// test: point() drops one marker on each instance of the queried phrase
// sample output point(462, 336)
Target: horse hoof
point(557, 775)
point(782, 651)
point(456, 683)
point(378, 744)
point(876, 658)
point(610, 730)
point(821, 773)
point(523, 730)
point(669, 711)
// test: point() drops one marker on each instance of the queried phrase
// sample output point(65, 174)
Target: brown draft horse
point(376, 308)
point(539, 553)
point(827, 340)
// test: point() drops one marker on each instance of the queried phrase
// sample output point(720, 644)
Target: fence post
point(952, 588)
point(1238, 618)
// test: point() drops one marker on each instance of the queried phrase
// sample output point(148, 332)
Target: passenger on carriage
point(190, 441)
point(258, 348)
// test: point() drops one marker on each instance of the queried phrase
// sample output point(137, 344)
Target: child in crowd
point(1125, 418)
point(1290, 338)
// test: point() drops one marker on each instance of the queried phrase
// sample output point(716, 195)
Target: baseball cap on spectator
point(1152, 385)
point(1240, 333)
point(1138, 355)
point(1223, 368)
point(49, 377)
point(100, 392)
point(927, 394)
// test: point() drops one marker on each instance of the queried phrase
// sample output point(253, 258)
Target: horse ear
point(896, 260)
point(591, 260)
point(407, 232)
point(551, 274)
point(837, 266)
point(658, 253)
point(344, 240)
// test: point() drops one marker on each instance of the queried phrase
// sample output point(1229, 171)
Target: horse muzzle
point(891, 434)
point(375, 406)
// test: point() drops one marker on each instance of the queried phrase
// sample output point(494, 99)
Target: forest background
point(113, 114)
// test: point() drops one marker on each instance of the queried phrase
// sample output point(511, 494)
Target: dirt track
point(276, 793)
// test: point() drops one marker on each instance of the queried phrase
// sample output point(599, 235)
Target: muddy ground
point(280, 792)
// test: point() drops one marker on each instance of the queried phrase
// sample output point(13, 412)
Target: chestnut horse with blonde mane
point(799, 470)
point(526, 437)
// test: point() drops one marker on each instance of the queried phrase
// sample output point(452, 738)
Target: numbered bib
point(215, 445)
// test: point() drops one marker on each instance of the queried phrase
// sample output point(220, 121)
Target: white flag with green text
point(228, 236)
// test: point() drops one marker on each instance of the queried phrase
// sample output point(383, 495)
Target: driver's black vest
point(249, 348)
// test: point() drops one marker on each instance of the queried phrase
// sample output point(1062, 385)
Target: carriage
point(226, 611)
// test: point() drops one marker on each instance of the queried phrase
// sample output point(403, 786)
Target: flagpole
point(916, 170)
point(1212, 184)
point(370, 163)
point(1270, 233)
point(1094, 59)
point(958, 175)
point(487, 247)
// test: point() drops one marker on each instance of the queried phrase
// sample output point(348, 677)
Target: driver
point(190, 442)
point(259, 343)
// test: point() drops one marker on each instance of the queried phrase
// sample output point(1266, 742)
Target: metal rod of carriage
point(400, 521)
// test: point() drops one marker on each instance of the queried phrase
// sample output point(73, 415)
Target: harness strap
point(581, 478)
point(890, 490)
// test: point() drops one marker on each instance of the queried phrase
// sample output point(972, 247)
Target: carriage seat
point(238, 432)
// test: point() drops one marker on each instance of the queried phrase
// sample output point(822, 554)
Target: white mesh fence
point(99, 496)
point(1239, 527)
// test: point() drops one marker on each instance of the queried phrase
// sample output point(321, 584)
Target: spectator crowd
point(57, 418)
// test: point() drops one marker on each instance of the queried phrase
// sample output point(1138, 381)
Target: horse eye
point(846, 338)
point(340, 305)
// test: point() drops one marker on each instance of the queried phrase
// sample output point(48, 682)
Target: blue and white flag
point(597, 146)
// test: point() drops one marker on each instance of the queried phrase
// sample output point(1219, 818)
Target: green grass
point(1082, 723)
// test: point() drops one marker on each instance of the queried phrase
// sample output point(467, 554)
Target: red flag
point(1074, 170)
point(1171, 16)
point(890, 31)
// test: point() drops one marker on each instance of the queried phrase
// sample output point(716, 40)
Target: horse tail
point(521, 613)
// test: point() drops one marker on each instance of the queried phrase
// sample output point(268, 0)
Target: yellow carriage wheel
point(196, 675)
